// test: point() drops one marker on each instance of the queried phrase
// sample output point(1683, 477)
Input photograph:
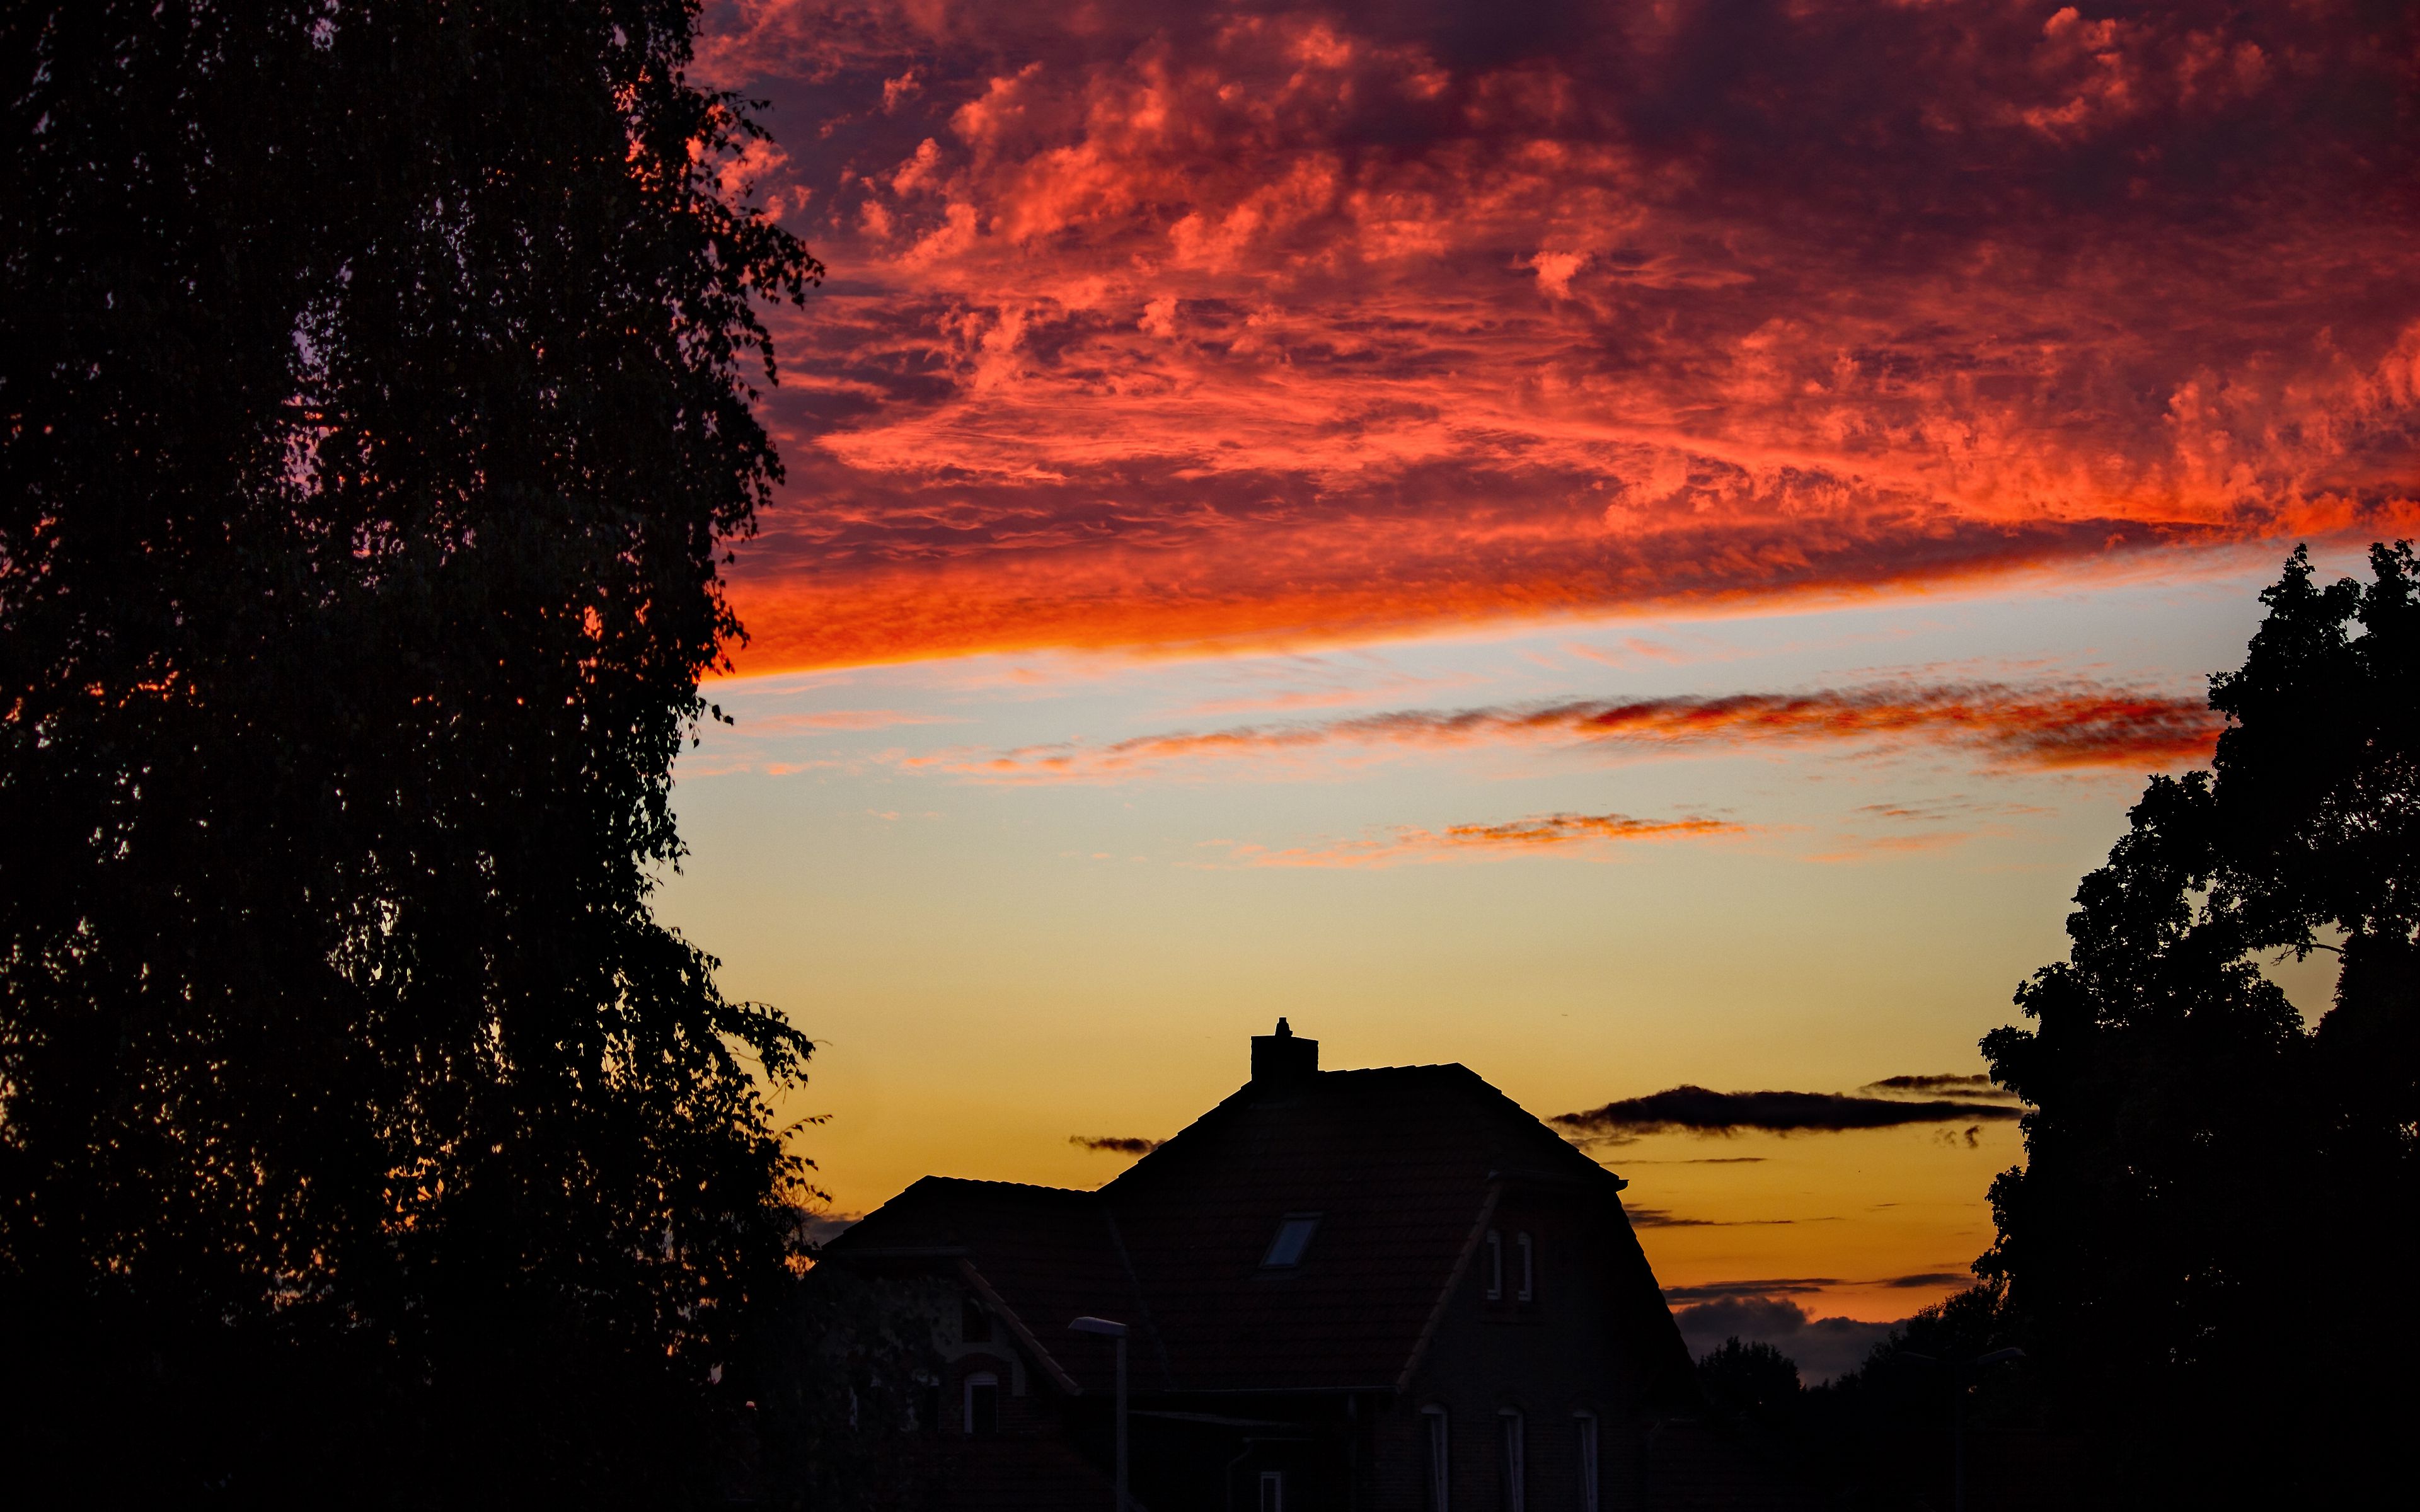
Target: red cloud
point(1472, 842)
point(2042, 728)
point(844, 719)
point(1241, 325)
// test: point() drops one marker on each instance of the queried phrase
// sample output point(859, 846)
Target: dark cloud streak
point(1664, 1218)
point(1699, 1110)
point(1931, 1278)
point(1950, 1085)
point(1784, 1287)
point(1115, 1144)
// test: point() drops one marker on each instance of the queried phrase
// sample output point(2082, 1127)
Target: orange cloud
point(2041, 728)
point(1240, 325)
point(1472, 842)
point(847, 719)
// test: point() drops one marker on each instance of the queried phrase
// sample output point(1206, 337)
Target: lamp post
point(1960, 1377)
point(1107, 1329)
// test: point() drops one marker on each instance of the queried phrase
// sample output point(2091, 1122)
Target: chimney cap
point(1284, 1057)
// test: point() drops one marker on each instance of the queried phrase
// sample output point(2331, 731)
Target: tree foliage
point(374, 396)
point(852, 1393)
point(1751, 1379)
point(2201, 1164)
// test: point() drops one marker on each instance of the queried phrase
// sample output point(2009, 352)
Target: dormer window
point(1495, 1266)
point(1528, 1268)
point(1293, 1237)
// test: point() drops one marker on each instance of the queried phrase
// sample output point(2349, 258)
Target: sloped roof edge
point(1006, 1314)
point(1452, 1281)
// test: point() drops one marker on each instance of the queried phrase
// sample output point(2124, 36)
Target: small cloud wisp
point(1466, 842)
point(1115, 1144)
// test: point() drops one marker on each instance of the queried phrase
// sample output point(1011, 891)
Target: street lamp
point(1109, 1330)
point(1960, 1377)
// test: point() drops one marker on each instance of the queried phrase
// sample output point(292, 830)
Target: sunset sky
point(1625, 546)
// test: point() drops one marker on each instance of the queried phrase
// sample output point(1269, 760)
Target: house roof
point(1043, 1255)
point(1397, 1164)
point(1401, 1165)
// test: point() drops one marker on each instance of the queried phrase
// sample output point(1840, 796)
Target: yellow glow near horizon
point(993, 968)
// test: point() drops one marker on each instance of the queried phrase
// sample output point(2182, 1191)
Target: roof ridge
point(1425, 1065)
point(1564, 1149)
point(1005, 1186)
point(1242, 1097)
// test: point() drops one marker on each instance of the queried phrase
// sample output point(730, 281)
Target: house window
point(1584, 1429)
point(1528, 1268)
point(1293, 1236)
point(1433, 1421)
point(1495, 1266)
point(1517, 1467)
point(1272, 1490)
point(975, 1323)
point(982, 1403)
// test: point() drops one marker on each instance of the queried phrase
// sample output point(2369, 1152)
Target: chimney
point(1281, 1059)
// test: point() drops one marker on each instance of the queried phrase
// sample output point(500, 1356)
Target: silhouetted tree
point(371, 406)
point(2199, 1166)
point(2319, 792)
point(1752, 1380)
point(1889, 1433)
point(1894, 1387)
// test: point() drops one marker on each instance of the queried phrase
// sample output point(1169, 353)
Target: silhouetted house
point(1383, 1289)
